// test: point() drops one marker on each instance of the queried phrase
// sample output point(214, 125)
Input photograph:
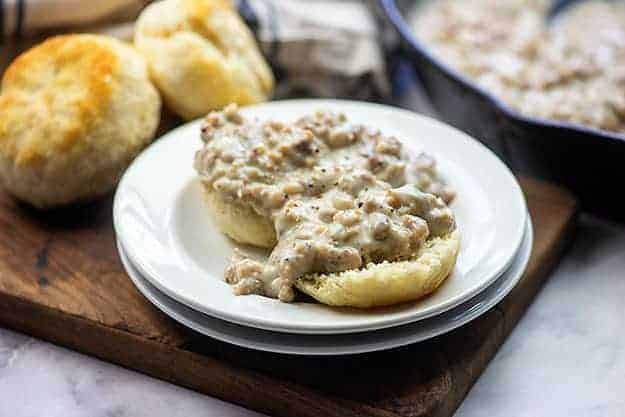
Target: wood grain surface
point(61, 280)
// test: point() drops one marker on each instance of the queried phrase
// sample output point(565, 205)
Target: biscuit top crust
point(340, 195)
point(197, 14)
point(202, 56)
point(53, 94)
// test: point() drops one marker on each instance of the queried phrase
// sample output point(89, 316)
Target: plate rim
point(269, 324)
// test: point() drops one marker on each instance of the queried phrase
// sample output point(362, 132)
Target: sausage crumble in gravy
point(340, 195)
point(571, 69)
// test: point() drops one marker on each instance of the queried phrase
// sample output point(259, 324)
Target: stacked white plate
point(175, 255)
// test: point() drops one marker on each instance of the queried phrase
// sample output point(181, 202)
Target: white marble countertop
point(566, 357)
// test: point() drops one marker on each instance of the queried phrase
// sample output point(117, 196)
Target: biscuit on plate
point(387, 283)
point(239, 222)
point(201, 56)
point(74, 112)
point(337, 202)
point(376, 285)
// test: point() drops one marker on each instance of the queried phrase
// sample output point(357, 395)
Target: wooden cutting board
point(61, 280)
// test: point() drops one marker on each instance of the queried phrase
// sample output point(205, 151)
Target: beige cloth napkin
point(21, 18)
point(326, 48)
point(323, 48)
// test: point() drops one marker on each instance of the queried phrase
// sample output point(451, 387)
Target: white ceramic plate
point(338, 344)
point(160, 218)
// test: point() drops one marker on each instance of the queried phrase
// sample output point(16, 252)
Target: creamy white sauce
point(572, 69)
point(340, 195)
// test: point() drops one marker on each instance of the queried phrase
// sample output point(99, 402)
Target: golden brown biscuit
point(201, 56)
point(74, 111)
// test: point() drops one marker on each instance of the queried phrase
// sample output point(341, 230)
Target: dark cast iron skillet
point(588, 161)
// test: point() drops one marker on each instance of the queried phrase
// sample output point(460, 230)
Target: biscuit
point(74, 112)
point(201, 56)
point(387, 283)
point(375, 285)
point(240, 222)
